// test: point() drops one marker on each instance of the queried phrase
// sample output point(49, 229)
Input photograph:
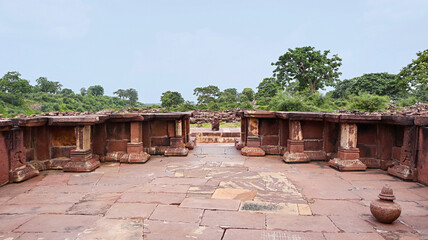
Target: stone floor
point(214, 193)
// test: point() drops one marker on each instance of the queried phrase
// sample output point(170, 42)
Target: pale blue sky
point(155, 46)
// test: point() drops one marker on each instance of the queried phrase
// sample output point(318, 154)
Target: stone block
point(270, 140)
point(347, 165)
point(23, 173)
point(295, 146)
point(134, 147)
point(403, 172)
point(295, 157)
point(253, 141)
point(178, 151)
point(252, 152)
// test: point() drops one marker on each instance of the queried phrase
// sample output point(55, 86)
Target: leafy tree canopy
point(249, 93)
point(415, 76)
point(44, 85)
point(132, 95)
point(12, 82)
point(171, 99)
point(267, 88)
point(308, 67)
point(96, 90)
point(206, 94)
point(229, 95)
point(383, 84)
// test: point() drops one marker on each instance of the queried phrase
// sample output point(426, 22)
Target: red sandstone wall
point(63, 140)
point(117, 136)
point(4, 159)
point(423, 155)
point(269, 135)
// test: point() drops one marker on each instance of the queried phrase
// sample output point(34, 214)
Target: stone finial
point(385, 210)
point(387, 193)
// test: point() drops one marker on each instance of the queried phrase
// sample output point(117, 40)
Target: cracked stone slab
point(265, 207)
point(130, 229)
point(232, 193)
point(228, 219)
point(159, 230)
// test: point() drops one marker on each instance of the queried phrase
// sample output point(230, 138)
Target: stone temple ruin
point(295, 175)
point(395, 143)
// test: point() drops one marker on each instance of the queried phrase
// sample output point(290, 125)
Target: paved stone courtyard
point(214, 193)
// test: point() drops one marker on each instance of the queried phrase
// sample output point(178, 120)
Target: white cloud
point(63, 19)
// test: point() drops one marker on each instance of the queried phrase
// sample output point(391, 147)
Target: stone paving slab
point(227, 219)
point(57, 223)
point(159, 230)
point(130, 210)
point(213, 204)
point(214, 193)
point(247, 234)
point(175, 214)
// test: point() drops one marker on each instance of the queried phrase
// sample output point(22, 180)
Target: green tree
point(229, 95)
point(267, 88)
point(67, 91)
point(382, 84)
point(121, 93)
point(12, 83)
point(96, 90)
point(249, 93)
point(132, 96)
point(414, 76)
point(83, 91)
point(171, 99)
point(44, 85)
point(308, 67)
point(207, 94)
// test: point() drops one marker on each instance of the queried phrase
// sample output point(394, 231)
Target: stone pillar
point(252, 148)
point(19, 169)
point(135, 147)
point(406, 168)
point(82, 159)
point(177, 146)
point(348, 154)
point(295, 145)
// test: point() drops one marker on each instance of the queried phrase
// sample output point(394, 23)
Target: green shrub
point(368, 102)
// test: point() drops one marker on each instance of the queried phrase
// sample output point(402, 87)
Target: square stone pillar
point(252, 148)
point(348, 154)
point(406, 168)
point(295, 145)
point(177, 146)
point(82, 159)
point(19, 169)
point(135, 147)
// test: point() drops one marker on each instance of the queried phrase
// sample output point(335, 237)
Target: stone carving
point(385, 210)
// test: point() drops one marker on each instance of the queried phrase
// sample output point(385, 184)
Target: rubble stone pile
point(392, 109)
point(207, 116)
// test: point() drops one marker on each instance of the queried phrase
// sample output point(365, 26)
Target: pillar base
point(23, 173)
point(82, 161)
point(176, 151)
point(252, 152)
point(86, 166)
point(347, 165)
point(124, 157)
point(403, 172)
point(295, 157)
